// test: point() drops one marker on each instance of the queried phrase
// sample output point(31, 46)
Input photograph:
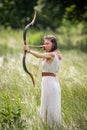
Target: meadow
point(20, 100)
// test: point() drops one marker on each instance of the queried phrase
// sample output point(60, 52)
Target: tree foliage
point(17, 13)
point(57, 10)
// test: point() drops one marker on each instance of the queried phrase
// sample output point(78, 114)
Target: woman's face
point(47, 45)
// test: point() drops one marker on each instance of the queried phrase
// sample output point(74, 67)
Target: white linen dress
point(50, 110)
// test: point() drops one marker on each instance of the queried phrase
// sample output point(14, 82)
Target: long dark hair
point(53, 40)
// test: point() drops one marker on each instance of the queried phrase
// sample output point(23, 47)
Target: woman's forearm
point(39, 55)
point(36, 54)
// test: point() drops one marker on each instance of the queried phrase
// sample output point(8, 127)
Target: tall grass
point(20, 101)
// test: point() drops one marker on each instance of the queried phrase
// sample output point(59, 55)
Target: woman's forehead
point(47, 41)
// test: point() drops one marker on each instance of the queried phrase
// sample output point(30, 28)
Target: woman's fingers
point(26, 48)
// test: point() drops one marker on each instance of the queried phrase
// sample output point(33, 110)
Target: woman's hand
point(26, 48)
point(43, 47)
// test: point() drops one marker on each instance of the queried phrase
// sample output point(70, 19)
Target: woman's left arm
point(47, 55)
point(41, 55)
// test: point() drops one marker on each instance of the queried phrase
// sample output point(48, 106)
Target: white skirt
point(50, 110)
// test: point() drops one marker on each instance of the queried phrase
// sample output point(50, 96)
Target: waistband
point(48, 74)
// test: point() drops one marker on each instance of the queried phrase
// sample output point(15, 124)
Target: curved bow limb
point(24, 56)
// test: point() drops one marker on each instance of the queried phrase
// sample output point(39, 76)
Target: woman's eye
point(45, 43)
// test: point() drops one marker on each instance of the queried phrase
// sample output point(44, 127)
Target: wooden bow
point(24, 56)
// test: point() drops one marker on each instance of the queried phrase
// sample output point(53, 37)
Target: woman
point(51, 93)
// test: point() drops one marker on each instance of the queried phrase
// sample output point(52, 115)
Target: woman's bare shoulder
point(58, 53)
point(51, 54)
